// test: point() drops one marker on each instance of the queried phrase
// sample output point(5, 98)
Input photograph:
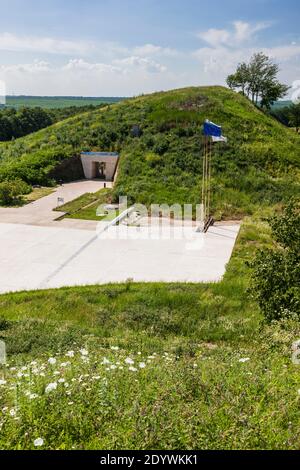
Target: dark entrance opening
point(99, 170)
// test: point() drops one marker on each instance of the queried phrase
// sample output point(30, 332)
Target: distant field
point(57, 101)
point(282, 104)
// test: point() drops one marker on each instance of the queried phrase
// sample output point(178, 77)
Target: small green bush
point(12, 191)
point(276, 276)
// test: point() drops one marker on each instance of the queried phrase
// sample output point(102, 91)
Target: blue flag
point(211, 129)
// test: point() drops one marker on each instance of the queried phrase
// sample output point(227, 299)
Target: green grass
point(37, 193)
point(193, 393)
point(85, 206)
point(54, 102)
point(258, 168)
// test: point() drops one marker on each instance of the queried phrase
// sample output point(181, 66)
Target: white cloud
point(81, 65)
point(130, 76)
point(239, 34)
point(35, 67)
point(226, 48)
point(13, 43)
point(152, 50)
point(145, 63)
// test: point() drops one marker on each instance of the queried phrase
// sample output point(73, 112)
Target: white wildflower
point(52, 361)
point(70, 354)
point(105, 361)
point(244, 359)
point(132, 369)
point(129, 361)
point(142, 365)
point(3, 382)
point(51, 387)
point(65, 364)
point(38, 442)
point(115, 348)
point(84, 352)
point(12, 412)
point(32, 396)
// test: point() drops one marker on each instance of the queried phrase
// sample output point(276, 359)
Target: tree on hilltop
point(258, 80)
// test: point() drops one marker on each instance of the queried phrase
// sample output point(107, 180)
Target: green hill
point(259, 165)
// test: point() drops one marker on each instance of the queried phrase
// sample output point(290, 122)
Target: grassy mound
point(161, 158)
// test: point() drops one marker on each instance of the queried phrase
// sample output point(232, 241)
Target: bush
point(11, 191)
point(276, 276)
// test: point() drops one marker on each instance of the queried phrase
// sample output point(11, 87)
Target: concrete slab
point(38, 257)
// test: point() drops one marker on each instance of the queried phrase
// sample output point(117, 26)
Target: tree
point(258, 80)
point(276, 272)
point(294, 116)
point(239, 79)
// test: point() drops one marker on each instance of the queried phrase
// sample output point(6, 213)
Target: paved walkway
point(41, 211)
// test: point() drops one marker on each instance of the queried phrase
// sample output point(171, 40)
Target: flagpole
point(212, 133)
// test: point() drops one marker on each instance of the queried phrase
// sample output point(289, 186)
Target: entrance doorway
point(99, 170)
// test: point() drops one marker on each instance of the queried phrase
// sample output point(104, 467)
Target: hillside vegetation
point(161, 158)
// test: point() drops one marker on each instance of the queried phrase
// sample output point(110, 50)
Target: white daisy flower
point(244, 359)
point(70, 354)
point(129, 361)
point(51, 387)
point(38, 442)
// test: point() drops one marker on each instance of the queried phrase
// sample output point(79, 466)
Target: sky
point(127, 47)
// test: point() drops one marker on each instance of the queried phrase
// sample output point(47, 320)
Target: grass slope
point(206, 374)
point(259, 166)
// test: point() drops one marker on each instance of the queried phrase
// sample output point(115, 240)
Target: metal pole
point(209, 177)
point(204, 179)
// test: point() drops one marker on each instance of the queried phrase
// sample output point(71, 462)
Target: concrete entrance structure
point(100, 165)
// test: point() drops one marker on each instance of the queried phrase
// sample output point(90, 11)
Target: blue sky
point(126, 47)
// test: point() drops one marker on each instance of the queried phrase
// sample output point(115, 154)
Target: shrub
point(276, 276)
point(11, 191)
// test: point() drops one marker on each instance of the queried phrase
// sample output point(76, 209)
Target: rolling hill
point(161, 163)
